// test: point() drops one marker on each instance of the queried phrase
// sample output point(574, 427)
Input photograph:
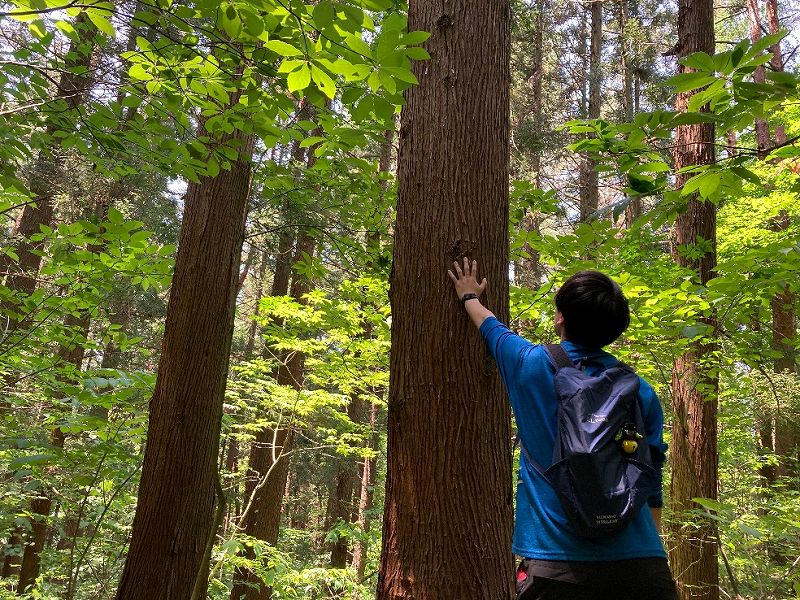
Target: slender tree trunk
point(341, 502)
point(759, 76)
point(366, 497)
point(774, 26)
point(444, 541)
point(529, 268)
point(633, 210)
point(589, 193)
point(175, 513)
point(31, 559)
point(268, 454)
point(73, 87)
point(784, 330)
point(13, 561)
point(695, 384)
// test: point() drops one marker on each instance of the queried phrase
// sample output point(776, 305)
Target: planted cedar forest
point(232, 363)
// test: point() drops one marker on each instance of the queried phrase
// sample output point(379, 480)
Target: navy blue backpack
point(602, 469)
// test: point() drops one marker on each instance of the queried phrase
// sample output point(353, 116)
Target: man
point(591, 312)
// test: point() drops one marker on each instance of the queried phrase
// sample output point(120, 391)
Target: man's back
point(542, 530)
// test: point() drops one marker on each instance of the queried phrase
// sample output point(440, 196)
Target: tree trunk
point(341, 502)
point(774, 26)
point(759, 76)
point(268, 454)
point(12, 562)
point(366, 497)
point(633, 210)
point(175, 513)
point(529, 269)
point(73, 87)
point(446, 535)
point(589, 193)
point(784, 330)
point(695, 384)
point(31, 559)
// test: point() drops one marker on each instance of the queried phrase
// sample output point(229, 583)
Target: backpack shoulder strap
point(559, 356)
point(531, 461)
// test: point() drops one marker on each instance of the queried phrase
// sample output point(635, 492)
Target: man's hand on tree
point(466, 280)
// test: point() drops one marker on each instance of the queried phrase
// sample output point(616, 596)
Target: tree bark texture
point(694, 458)
point(447, 517)
point(589, 182)
point(175, 512)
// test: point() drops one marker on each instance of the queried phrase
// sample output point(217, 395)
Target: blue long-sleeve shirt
point(541, 529)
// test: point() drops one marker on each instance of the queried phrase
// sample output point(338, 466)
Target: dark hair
point(594, 308)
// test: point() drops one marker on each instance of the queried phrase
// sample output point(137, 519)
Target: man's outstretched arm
point(466, 282)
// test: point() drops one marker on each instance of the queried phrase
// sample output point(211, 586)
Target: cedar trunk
point(694, 383)
point(447, 517)
point(175, 513)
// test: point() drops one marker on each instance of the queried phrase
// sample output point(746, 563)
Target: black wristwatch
point(469, 296)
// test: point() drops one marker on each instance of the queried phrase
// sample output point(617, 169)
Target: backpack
point(602, 469)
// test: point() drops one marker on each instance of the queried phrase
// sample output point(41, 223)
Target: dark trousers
point(634, 579)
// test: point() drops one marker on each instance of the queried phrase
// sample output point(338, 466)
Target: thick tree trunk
point(447, 536)
point(589, 192)
point(175, 513)
point(694, 457)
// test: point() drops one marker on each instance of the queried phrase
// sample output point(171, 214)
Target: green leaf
point(283, 48)
point(401, 74)
point(415, 37)
point(685, 82)
point(137, 71)
point(231, 22)
point(417, 53)
point(358, 45)
point(299, 79)
point(751, 531)
point(38, 28)
point(747, 175)
point(101, 22)
point(115, 216)
point(324, 82)
point(700, 61)
point(324, 13)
